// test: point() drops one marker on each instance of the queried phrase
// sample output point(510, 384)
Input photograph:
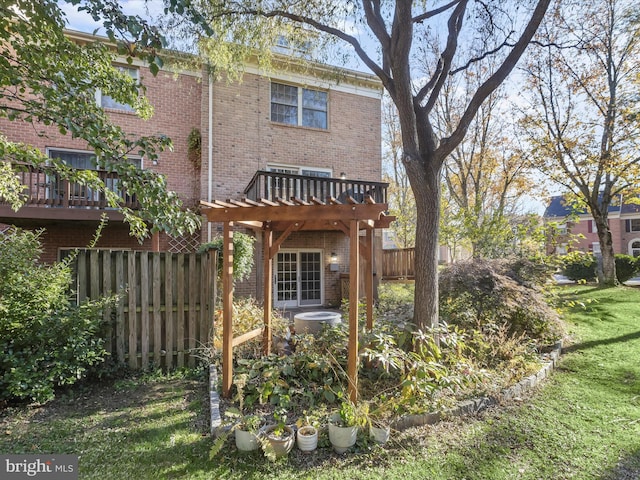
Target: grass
point(583, 423)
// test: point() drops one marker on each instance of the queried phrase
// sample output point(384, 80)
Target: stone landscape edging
point(475, 405)
point(467, 407)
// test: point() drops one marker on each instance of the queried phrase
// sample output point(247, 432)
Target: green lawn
point(583, 423)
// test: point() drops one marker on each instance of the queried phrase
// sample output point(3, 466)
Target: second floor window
point(298, 106)
point(106, 101)
point(635, 224)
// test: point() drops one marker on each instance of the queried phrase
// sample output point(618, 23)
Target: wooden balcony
point(50, 197)
point(274, 185)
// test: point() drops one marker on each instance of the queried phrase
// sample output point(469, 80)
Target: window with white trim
point(293, 105)
point(635, 224)
point(106, 101)
point(595, 247)
point(634, 248)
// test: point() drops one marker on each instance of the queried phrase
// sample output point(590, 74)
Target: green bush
point(579, 266)
point(45, 340)
point(626, 267)
point(242, 254)
point(487, 295)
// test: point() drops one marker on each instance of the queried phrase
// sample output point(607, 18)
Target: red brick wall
point(246, 140)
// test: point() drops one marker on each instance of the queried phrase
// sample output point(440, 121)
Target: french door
point(298, 279)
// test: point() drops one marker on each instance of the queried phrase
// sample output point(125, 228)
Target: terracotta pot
point(281, 445)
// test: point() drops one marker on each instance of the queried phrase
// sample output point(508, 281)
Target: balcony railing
point(274, 185)
point(44, 189)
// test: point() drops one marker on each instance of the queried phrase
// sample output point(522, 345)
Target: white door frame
point(297, 300)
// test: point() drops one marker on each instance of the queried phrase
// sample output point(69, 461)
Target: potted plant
point(246, 433)
point(244, 427)
point(277, 439)
point(344, 426)
point(378, 420)
point(307, 434)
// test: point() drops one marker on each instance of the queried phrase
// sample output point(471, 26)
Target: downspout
point(210, 153)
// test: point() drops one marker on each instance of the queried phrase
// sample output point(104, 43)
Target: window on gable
point(298, 106)
point(106, 101)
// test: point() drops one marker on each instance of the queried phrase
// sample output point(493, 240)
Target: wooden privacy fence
point(165, 309)
point(398, 263)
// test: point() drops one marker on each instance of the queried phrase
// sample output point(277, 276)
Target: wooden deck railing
point(44, 189)
point(274, 185)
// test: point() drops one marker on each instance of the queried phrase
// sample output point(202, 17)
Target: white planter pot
point(342, 438)
point(307, 438)
point(246, 441)
point(379, 434)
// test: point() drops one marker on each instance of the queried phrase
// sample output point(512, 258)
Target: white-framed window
point(562, 249)
point(300, 106)
point(595, 247)
point(562, 229)
point(635, 224)
point(296, 170)
point(105, 101)
point(634, 247)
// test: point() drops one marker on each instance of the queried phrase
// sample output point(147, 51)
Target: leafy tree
point(41, 70)
point(486, 174)
point(413, 49)
point(45, 340)
point(401, 202)
point(583, 124)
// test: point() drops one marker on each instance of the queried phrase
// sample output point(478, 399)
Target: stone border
point(472, 406)
point(466, 407)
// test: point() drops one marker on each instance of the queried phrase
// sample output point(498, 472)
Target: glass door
point(286, 280)
point(298, 279)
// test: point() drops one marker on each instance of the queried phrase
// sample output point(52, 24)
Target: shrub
point(579, 266)
point(486, 294)
point(626, 267)
point(45, 340)
point(242, 254)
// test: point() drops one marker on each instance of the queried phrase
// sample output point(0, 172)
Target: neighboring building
point(577, 230)
point(265, 136)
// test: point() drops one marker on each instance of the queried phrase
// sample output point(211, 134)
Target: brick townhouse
point(257, 136)
point(577, 230)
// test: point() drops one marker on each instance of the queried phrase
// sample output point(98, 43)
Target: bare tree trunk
point(425, 180)
point(607, 276)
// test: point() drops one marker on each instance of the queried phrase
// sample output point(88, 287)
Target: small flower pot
point(342, 438)
point(246, 441)
point(379, 434)
point(280, 445)
point(307, 438)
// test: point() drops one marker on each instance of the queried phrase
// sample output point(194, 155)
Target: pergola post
point(354, 280)
point(227, 309)
point(368, 279)
point(267, 244)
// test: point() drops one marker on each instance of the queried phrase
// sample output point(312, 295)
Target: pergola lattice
point(286, 217)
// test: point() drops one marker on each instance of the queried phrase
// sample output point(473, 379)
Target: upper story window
point(309, 172)
point(634, 223)
point(106, 101)
point(298, 106)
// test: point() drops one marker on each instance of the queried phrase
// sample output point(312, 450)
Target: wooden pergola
point(286, 217)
